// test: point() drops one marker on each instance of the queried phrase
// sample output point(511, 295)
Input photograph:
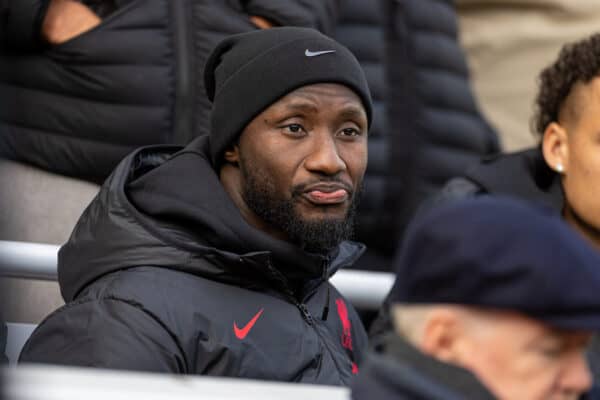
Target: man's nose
point(324, 157)
point(576, 377)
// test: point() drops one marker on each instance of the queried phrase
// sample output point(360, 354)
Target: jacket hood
point(523, 174)
point(164, 206)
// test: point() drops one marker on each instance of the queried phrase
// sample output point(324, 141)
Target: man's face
point(581, 179)
point(518, 358)
point(301, 164)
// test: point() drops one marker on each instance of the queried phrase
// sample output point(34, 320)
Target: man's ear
point(232, 154)
point(441, 335)
point(555, 147)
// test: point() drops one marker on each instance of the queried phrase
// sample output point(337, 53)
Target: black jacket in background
point(161, 273)
point(523, 175)
point(136, 79)
point(360, 27)
point(426, 125)
point(437, 128)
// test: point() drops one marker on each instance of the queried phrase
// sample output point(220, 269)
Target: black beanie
point(248, 72)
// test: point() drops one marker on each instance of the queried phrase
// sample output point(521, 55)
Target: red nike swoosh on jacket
point(241, 333)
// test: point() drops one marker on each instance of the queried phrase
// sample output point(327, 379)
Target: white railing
point(34, 382)
point(28, 260)
point(365, 289)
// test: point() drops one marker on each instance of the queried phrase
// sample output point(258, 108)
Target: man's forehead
point(514, 324)
point(308, 98)
point(582, 97)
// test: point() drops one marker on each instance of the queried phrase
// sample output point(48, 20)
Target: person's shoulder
point(153, 303)
point(155, 288)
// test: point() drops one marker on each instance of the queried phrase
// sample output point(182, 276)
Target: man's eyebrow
point(302, 106)
point(544, 337)
point(352, 112)
point(346, 112)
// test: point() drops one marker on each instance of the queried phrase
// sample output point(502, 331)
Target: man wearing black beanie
point(215, 258)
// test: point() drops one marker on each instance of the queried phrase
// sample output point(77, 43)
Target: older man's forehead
point(517, 324)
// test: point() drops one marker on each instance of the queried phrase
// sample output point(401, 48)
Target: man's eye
point(293, 128)
point(551, 351)
point(350, 132)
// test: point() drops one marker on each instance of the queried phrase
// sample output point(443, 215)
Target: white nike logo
point(309, 53)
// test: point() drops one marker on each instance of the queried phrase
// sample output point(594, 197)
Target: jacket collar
point(165, 206)
point(524, 174)
point(400, 371)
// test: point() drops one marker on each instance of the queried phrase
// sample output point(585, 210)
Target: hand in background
point(66, 19)
point(261, 22)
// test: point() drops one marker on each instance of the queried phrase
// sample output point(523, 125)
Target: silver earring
point(559, 168)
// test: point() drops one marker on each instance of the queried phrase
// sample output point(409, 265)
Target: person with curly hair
point(511, 41)
point(563, 172)
point(568, 116)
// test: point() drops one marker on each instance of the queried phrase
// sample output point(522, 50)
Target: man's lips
point(326, 194)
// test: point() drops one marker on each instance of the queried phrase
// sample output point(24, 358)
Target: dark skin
point(311, 145)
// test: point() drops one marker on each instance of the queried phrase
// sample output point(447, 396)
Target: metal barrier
point(365, 289)
point(17, 335)
point(28, 260)
point(29, 382)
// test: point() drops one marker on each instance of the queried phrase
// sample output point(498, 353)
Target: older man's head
point(504, 290)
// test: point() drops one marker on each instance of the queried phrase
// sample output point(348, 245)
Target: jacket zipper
point(303, 309)
point(183, 122)
point(289, 293)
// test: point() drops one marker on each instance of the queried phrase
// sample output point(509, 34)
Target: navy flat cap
point(501, 253)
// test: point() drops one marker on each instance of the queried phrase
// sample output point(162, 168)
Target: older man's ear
point(441, 335)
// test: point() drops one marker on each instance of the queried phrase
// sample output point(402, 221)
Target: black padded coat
point(162, 273)
point(136, 79)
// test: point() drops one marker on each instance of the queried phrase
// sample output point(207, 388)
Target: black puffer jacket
point(426, 126)
point(437, 128)
point(360, 27)
point(163, 274)
point(523, 175)
point(79, 107)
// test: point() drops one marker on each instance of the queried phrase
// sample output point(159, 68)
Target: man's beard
point(315, 235)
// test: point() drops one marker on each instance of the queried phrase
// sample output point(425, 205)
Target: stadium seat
point(17, 335)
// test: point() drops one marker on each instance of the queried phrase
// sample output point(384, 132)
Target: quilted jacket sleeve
point(318, 14)
point(20, 22)
point(105, 333)
point(441, 130)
